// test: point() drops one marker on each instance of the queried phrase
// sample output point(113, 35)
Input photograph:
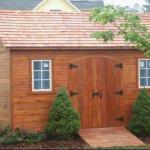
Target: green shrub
point(8, 136)
point(34, 138)
point(140, 120)
point(63, 120)
point(4, 130)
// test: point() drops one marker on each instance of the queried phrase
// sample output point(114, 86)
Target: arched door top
point(96, 56)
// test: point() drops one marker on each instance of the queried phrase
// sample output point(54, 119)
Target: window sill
point(42, 92)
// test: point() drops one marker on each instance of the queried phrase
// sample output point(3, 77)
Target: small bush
point(8, 136)
point(140, 120)
point(63, 120)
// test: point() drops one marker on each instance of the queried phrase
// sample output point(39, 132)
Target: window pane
point(148, 64)
point(37, 65)
point(143, 73)
point(148, 73)
point(143, 64)
point(148, 81)
point(143, 82)
point(46, 84)
point(37, 84)
point(37, 74)
point(45, 65)
point(45, 75)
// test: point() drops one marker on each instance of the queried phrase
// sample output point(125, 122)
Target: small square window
point(41, 75)
point(144, 73)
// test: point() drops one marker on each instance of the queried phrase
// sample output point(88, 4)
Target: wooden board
point(109, 137)
point(5, 101)
point(95, 81)
point(26, 104)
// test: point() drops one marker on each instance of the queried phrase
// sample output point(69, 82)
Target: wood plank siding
point(30, 109)
point(5, 111)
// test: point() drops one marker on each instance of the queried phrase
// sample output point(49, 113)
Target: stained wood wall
point(5, 111)
point(30, 109)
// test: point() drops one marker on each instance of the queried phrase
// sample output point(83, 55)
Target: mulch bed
point(146, 140)
point(73, 144)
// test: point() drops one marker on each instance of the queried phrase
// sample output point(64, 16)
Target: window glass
point(144, 73)
point(45, 74)
point(46, 84)
point(148, 64)
point(37, 65)
point(37, 84)
point(143, 81)
point(45, 65)
point(142, 64)
point(37, 74)
point(41, 75)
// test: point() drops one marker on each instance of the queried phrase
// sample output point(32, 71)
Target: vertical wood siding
point(30, 109)
point(4, 86)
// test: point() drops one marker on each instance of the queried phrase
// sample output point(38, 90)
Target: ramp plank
point(109, 137)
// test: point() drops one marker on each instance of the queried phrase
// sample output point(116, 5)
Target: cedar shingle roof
point(53, 30)
point(18, 4)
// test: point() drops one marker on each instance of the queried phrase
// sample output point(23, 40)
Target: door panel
point(96, 81)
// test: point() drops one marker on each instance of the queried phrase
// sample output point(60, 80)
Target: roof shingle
point(18, 4)
point(54, 30)
point(87, 4)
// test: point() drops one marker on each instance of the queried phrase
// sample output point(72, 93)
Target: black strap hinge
point(119, 65)
point(120, 92)
point(71, 66)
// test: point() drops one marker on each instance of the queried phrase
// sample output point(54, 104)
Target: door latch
point(121, 118)
point(73, 93)
point(99, 93)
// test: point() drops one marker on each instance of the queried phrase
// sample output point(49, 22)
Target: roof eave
point(74, 48)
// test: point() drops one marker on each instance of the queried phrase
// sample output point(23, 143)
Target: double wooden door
point(95, 90)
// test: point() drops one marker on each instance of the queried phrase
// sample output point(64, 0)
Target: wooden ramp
point(109, 137)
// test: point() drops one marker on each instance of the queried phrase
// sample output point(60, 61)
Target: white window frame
point(50, 76)
point(139, 77)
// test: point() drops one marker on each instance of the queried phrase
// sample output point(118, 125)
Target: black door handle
point(99, 93)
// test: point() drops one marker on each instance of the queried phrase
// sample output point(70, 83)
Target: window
point(41, 75)
point(144, 73)
point(55, 9)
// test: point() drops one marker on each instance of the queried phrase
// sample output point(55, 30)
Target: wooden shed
point(40, 52)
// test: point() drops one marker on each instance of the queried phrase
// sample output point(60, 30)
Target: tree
point(147, 6)
point(63, 120)
point(140, 120)
point(128, 26)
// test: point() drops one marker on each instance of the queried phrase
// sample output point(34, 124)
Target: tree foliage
point(140, 120)
point(128, 24)
point(63, 120)
point(147, 6)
